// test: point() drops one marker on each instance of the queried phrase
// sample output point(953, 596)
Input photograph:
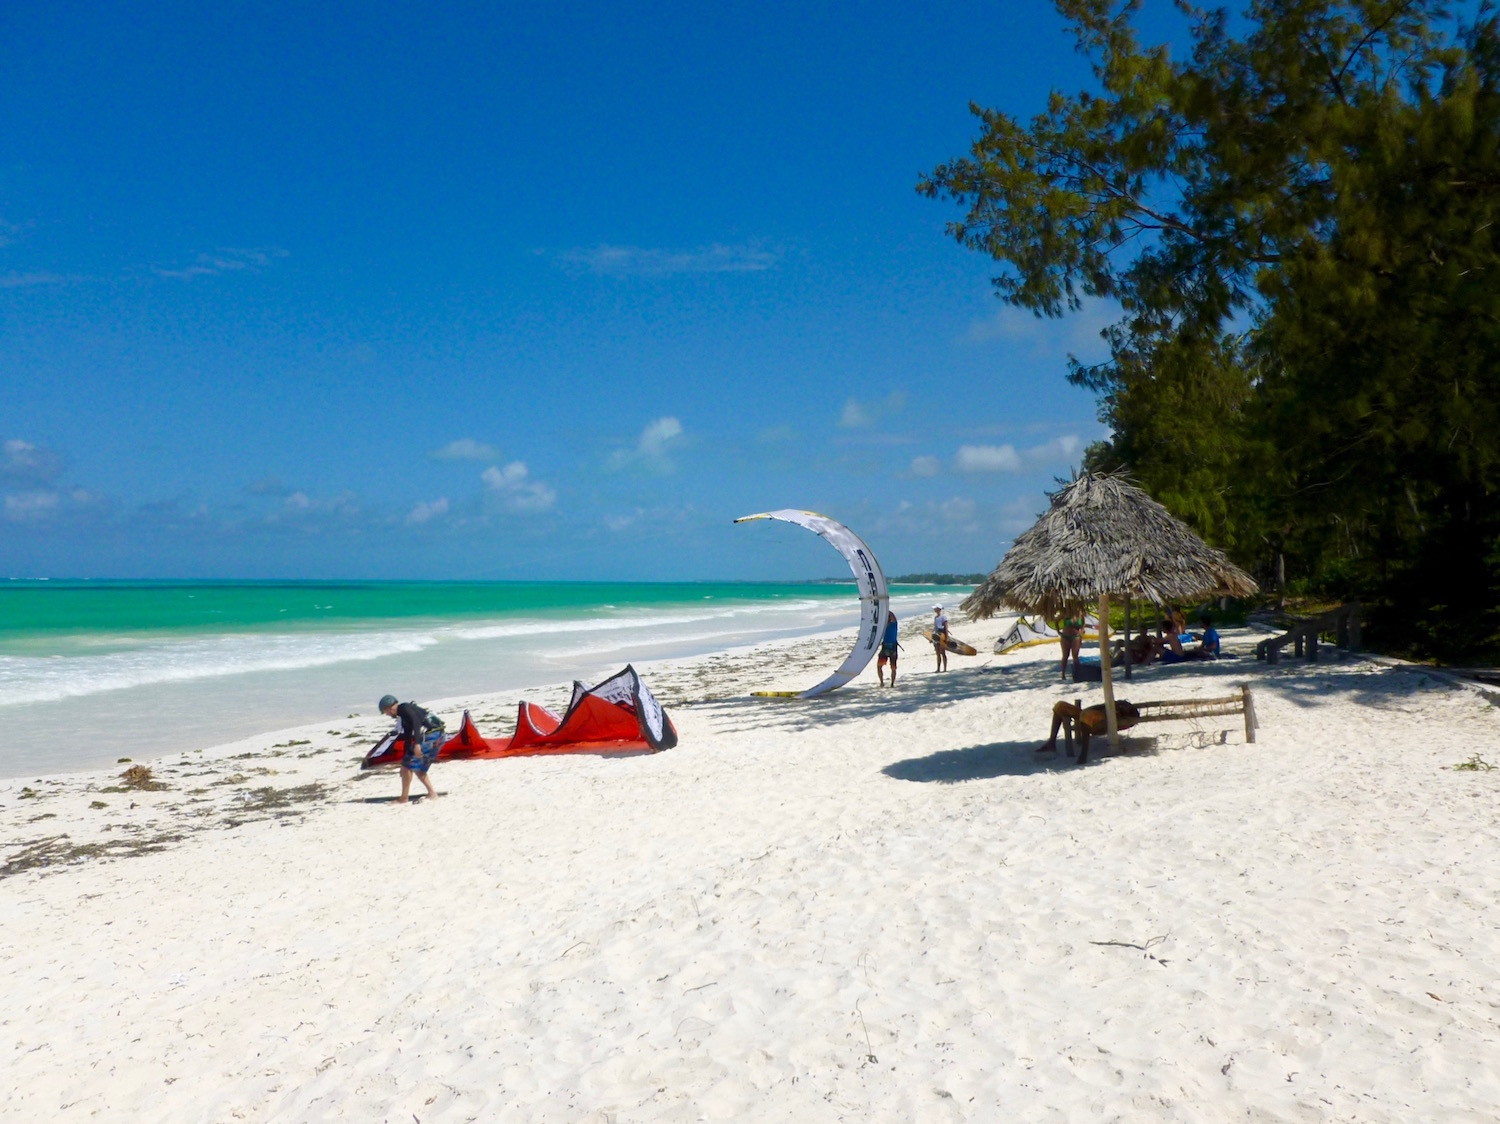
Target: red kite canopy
point(618, 715)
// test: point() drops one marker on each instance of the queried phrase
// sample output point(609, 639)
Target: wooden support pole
point(1111, 721)
point(1250, 722)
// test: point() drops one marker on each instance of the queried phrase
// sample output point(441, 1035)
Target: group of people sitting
point(1171, 646)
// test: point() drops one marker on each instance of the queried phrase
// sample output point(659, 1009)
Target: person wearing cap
point(423, 734)
point(940, 636)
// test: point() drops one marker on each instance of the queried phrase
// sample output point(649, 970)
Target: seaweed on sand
point(139, 777)
point(59, 850)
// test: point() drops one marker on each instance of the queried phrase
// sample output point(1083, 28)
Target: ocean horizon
point(91, 671)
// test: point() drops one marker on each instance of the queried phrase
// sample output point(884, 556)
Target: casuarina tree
point(1296, 220)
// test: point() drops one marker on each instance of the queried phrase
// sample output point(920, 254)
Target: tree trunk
point(1112, 723)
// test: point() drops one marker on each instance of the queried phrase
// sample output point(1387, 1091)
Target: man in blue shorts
point(888, 648)
point(423, 732)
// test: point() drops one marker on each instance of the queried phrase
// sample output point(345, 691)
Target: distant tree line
point(939, 579)
point(1298, 221)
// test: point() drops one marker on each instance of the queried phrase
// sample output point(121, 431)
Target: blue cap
point(385, 701)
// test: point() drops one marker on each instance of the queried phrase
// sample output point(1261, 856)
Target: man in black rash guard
point(423, 732)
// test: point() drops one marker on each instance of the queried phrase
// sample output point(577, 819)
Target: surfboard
point(953, 645)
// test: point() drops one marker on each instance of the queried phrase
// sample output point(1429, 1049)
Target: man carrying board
point(940, 636)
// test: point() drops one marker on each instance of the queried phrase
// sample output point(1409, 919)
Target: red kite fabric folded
point(618, 715)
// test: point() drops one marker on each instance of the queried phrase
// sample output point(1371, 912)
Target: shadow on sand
point(914, 694)
point(387, 799)
point(976, 763)
point(1009, 759)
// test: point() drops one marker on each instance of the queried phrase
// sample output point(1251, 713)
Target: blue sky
point(480, 291)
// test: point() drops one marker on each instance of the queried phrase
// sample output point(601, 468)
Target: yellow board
point(953, 645)
point(775, 694)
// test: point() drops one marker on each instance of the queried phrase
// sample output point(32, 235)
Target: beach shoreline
point(878, 905)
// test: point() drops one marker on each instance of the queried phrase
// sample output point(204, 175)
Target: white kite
point(874, 597)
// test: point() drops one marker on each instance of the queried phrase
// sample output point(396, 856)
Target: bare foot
point(402, 800)
point(1045, 748)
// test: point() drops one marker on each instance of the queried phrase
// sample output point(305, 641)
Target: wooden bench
point(1304, 636)
point(1173, 710)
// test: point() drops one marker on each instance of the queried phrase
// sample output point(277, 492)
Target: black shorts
point(888, 653)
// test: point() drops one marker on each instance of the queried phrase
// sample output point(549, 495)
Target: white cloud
point(638, 261)
point(987, 458)
point(227, 259)
point(514, 489)
point(959, 509)
point(860, 415)
point(618, 523)
point(652, 449)
point(298, 501)
point(29, 507)
point(1005, 458)
point(465, 449)
point(1060, 450)
point(424, 512)
point(26, 280)
point(21, 460)
point(925, 466)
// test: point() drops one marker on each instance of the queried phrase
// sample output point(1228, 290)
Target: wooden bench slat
point(1215, 712)
point(1217, 699)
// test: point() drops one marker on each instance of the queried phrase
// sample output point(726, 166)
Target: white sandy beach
point(877, 906)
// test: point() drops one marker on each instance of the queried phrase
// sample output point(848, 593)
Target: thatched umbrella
point(1103, 537)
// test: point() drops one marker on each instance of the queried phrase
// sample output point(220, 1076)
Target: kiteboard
point(953, 645)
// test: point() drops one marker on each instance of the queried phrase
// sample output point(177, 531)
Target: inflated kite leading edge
point(874, 596)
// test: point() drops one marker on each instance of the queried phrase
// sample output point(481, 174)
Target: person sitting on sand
point(1171, 641)
point(423, 732)
point(1208, 642)
point(1143, 650)
point(1089, 721)
point(940, 636)
point(888, 649)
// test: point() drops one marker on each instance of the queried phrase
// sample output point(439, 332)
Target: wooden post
point(1111, 721)
point(1071, 725)
point(1250, 722)
point(1127, 637)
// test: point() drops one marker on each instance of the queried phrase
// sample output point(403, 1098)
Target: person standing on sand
point(940, 636)
point(1071, 635)
point(888, 647)
point(423, 732)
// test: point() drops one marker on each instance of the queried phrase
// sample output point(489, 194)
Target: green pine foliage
point(1297, 221)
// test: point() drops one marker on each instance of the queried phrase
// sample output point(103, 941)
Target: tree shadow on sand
point(1007, 759)
point(915, 694)
point(975, 763)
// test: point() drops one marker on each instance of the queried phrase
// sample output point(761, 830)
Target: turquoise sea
point(94, 671)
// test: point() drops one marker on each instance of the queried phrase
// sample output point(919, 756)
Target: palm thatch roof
point(1104, 536)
